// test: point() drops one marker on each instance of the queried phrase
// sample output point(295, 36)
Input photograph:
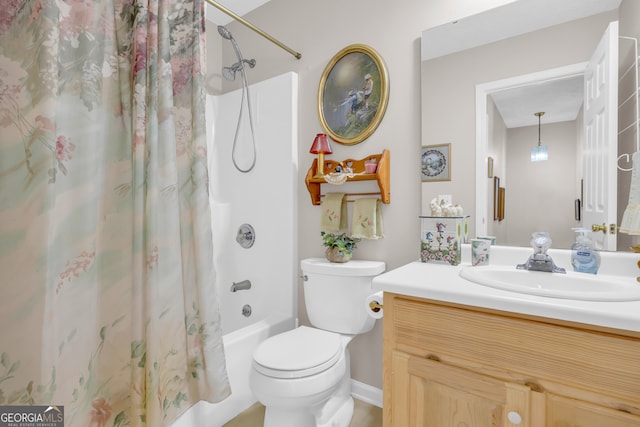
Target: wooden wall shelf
point(381, 175)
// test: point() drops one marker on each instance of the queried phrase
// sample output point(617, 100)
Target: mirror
point(457, 59)
point(513, 129)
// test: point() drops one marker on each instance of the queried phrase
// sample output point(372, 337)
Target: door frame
point(483, 91)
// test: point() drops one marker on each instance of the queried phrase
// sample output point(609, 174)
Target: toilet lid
point(298, 353)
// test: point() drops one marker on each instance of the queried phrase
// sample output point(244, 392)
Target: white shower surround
point(266, 198)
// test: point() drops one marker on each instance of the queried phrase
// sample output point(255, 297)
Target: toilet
point(303, 376)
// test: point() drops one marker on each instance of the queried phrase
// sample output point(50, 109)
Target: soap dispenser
point(584, 257)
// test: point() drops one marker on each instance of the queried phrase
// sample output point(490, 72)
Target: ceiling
point(512, 19)
point(560, 100)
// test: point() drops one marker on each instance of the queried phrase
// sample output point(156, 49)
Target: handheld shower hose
point(229, 73)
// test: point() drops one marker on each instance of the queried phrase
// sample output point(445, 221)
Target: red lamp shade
point(321, 145)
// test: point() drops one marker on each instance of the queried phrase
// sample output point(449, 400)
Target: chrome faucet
point(241, 286)
point(540, 260)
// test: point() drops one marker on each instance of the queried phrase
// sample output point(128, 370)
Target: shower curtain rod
point(254, 28)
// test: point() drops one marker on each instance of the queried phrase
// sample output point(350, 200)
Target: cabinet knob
point(514, 417)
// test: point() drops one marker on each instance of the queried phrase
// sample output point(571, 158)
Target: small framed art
point(436, 162)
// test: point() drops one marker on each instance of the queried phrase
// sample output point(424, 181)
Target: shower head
point(229, 73)
point(226, 34)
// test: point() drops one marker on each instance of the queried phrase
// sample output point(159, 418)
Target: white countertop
point(441, 282)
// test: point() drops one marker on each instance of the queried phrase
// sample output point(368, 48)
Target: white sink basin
point(572, 285)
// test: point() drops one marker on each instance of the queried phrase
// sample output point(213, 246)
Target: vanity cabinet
point(454, 365)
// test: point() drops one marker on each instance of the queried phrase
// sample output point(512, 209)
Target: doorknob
point(514, 417)
point(612, 228)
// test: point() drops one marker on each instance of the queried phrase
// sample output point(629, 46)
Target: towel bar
point(357, 194)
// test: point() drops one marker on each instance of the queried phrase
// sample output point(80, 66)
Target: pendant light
point(540, 152)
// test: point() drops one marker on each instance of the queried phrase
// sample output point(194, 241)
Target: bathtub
point(265, 198)
point(239, 346)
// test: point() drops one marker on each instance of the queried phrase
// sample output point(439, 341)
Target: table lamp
point(320, 147)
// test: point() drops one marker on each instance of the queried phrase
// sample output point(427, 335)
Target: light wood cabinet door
point(562, 411)
point(433, 394)
point(449, 366)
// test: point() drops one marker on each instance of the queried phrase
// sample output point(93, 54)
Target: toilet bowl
point(303, 376)
point(296, 394)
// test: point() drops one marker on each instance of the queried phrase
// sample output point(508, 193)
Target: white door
point(600, 149)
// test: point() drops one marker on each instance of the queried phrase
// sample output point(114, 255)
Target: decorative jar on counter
point(441, 237)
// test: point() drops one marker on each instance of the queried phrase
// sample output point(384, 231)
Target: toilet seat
point(298, 353)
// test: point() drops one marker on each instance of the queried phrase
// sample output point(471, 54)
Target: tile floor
point(364, 415)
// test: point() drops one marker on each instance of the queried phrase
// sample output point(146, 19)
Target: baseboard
point(366, 393)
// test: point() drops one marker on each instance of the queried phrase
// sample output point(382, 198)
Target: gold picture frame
point(496, 198)
point(501, 202)
point(353, 94)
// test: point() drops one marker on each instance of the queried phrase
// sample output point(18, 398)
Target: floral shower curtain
point(107, 289)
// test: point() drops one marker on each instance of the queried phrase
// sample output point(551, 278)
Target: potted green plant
point(339, 246)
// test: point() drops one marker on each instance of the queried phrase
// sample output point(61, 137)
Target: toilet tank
point(335, 293)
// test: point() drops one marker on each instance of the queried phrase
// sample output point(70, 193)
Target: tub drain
point(246, 310)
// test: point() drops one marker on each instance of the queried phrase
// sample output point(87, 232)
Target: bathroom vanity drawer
point(552, 356)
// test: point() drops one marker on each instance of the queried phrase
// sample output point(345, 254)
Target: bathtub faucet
point(241, 286)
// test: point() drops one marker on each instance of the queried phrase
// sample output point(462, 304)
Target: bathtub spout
point(241, 286)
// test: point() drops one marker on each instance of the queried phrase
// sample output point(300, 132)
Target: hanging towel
point(631, 218)
point(366, 222)
point(334, 212)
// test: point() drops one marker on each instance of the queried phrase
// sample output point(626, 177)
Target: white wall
point(540, 196)
point(319, 30)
